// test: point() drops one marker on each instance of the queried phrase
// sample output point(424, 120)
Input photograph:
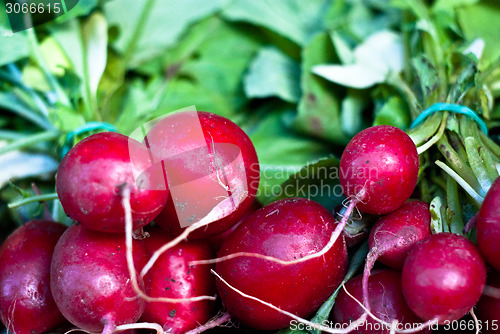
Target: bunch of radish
point(148, 213)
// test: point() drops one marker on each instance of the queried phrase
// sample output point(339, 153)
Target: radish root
point(395, 322)
point(217, 321)
point(142, 325)
point(476, 321)
point(335, 235)
point(491, 291)
point(130, 258)
point(216, 213)
point(352, 326)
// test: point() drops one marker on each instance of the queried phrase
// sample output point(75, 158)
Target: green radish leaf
point(212, 80)
point(17, 165)
point(13, 47)
point(272, 73)
point(82, 8)
point(281, 154)
point(296, 20)
point(148, 28)
point(318, 181)
point(482, 20)
point(65, 119)
point(375, 60)
point(427, 76)
point(393, 112)
point(319, 107)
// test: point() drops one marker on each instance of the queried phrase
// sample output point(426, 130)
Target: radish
point(90, 176)
point(379, 169)
point(386, 300)
point(378, 173)
point(26, 303)
point(393, 236)
point(90, 280)
point(208, 154)
point(173, 277)
point(488, 226)
point(443, 277)
point(488, 307)
point(216, 241)
point(286, 229)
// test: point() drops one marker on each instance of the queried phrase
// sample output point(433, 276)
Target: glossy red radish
point(90, 176)
point(443, 277)
point(488, 226)
point(386, 300)
point(216, 241)
point(379, 169)
point(26, 303)
point(488, 307)
point(286, 229)
point(394, 235)
point(90, 280)
point(211, 155)
point(173, 277)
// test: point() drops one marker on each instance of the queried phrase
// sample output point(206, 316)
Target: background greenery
point(300, 77)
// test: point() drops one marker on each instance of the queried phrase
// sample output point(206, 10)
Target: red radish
point(173, 277)
point(90, 176)
point(379, 168)
point(216, 241)
point(488, 307)
point(90, 281)
point(26, 303)
point(286, 229)
point(488, 226)
point(443, 277)
point(394, 235)
point(210, 155)
point(386, 300)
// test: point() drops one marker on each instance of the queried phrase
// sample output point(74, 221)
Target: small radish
point(90, 280)
point(394, 235)
point(488, 307)
point(90, 176)
point(26, 303)
point(386, 300)
point(210, 155)
point(173, 277)
point(286, 229)
point(379, 169)
point(488, 226)
point(443, 277)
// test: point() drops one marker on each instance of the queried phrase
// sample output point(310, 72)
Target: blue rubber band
point(88, 127)
point(454, 108)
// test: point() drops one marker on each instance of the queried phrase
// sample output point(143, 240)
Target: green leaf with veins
point(211, 79)
point(296, 20)
point(319, 110)
point(147, 28)
point(272, 73)
point(281, 153)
